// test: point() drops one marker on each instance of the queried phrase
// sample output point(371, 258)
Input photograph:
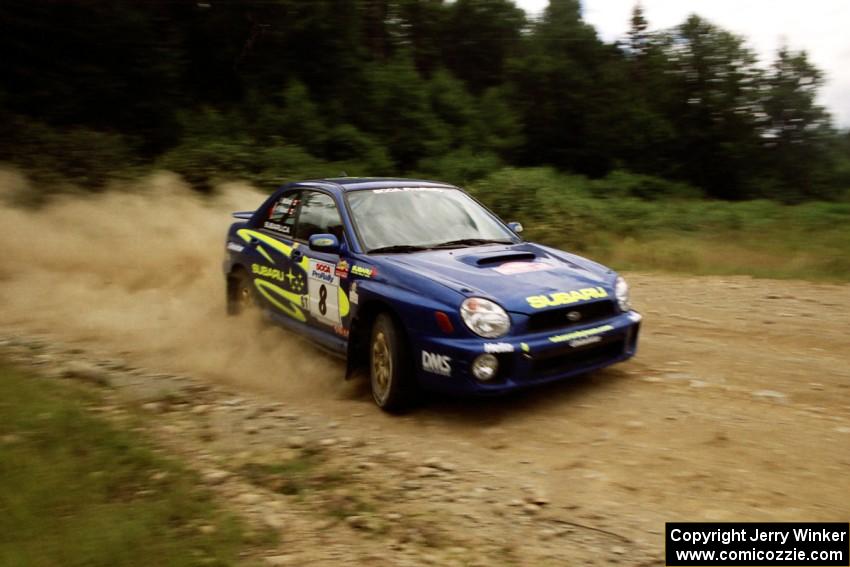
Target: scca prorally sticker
point(322, 271)
point(436, 363)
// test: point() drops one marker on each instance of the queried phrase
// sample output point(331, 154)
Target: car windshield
point(411, 218)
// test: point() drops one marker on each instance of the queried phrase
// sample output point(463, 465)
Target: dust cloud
point(136, 271)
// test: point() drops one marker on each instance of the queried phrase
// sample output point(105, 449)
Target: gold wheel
point(382, 368)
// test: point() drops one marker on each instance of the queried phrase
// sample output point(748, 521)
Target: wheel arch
point(361, 328)
point(231, 280)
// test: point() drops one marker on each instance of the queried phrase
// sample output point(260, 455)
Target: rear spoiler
point(243, 215)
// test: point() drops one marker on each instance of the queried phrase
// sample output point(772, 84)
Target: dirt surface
point(737, 406)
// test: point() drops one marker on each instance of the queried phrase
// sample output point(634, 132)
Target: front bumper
point(526, 360)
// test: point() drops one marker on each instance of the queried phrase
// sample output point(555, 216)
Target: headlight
point(484, 318)
point(621, 290)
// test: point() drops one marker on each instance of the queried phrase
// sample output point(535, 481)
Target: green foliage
point(621, 183)
point(460, 167)
point(206, 162)
point(77, 490)
point(410, 85)
point(670, 232)
point(56, 158)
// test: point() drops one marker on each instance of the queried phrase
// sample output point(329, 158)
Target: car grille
point(568, 358)
point(558, 319)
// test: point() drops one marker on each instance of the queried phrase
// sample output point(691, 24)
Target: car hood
point(508, 274)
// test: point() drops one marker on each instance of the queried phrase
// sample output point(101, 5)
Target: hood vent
point(500, 258)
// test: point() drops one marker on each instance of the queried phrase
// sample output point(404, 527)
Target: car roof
point(345, 184)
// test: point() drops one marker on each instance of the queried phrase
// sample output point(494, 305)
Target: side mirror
point(515, 226)
point(327, 243)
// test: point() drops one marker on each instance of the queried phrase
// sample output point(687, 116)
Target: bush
point(620, 183)
point(58, 158)
point(205, 163)
point(460, 167)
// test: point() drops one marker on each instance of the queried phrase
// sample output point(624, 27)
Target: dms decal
point(511, 268)
point(436, 363)
point(566, 297)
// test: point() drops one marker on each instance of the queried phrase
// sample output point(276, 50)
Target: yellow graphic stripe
point(247, 234)
point(294, 300)
point(343, 302)
point(265, 254)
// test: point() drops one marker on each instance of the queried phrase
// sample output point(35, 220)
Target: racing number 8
point(323, 298)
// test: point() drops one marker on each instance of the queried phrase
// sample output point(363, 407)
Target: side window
point(319, 215)
point(282, 214)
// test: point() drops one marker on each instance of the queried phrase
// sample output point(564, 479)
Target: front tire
point(389, 366)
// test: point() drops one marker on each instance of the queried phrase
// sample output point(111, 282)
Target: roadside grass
point(77, 490)
point(676, 231)
point(776, 256)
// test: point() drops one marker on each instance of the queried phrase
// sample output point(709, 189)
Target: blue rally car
point(425, 287)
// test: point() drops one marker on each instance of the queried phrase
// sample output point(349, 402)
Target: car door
point(278, 267)
point(327, 274)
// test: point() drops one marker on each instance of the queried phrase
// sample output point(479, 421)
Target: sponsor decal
point(321, 271)
point(232, 246)
point(277, 227)
point(585, 341)
point(341, 270)
point(566, 297)
point(266, 272)
point(436, 363)
point(575, 335)
point(495, 348)
point(325, 295)
point(363, 271)
point(511, 268)
point(353, 296)
point(341, 331)
point(412, 189)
